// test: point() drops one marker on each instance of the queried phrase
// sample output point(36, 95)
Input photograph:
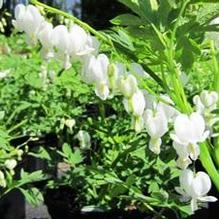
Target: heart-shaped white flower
point(195, 187)
point(156, 125)
point(189, 129)
point(29, 20)
point(207, 100)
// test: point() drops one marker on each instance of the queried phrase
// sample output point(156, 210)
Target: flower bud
point(84, 138)
point(70, 123)
point(128, 85)
point(11, 164)
point(2, 180)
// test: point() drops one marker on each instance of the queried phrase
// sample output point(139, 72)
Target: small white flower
point(188, 132)
point(70, 123)
point(128, 85)
point(135, 105)
point(95, 71)
point(4, 74)
point(195, 187)
point(2, 179)
point(46, 38)
point(84, 139)
point(156, 125)
point(62, 44)
point(206, 101)
point(29, 20)
point(10, 164)
point(138, 103)
point(115, 71)
point(189, 129)
point(102, 90)
point(81, 43)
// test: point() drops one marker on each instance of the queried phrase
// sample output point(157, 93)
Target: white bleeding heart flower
point(46, 38)
point(1, 3)
point(189, 129)
point(70, 123)
point(95, 71)
point(62, 43)
point(186, 154)
point(2, 179)
point(128, 85)
point(102, 90)
point(188, 132)
point(10, 164)
point(81, 43)
point(156, 125)
point(195, 187)
point(115, 71)
point(29, 20)
point(138, 103)
point(207, 100)
point(4, 74)
point(84, 139)
point(93, 43)
point(135, 105)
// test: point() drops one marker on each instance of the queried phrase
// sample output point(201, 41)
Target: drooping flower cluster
point(65, 44)
point(156, 115)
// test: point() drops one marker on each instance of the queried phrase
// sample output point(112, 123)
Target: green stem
point(216, 151)
point(215, 85)
point(208, 164)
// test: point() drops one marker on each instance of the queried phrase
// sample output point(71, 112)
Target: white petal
point(128, 85)
point(182, 128)
point(197, 127)
point(154, 145)
point(183, 162)
point(194, 205)
point(186, 179)
point(208, 199)
point(194, 151)
point(102, 90)
point(138, 103)
point(201, 184)
point(181, 150)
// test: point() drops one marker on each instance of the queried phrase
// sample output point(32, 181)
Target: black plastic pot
point(60, 203)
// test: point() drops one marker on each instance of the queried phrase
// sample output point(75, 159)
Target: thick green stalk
point(215, 85)
point(205, 156)
point(216, 151)
point(208, 164)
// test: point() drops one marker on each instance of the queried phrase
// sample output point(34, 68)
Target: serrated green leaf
point(126, 20)
point(33, 196)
